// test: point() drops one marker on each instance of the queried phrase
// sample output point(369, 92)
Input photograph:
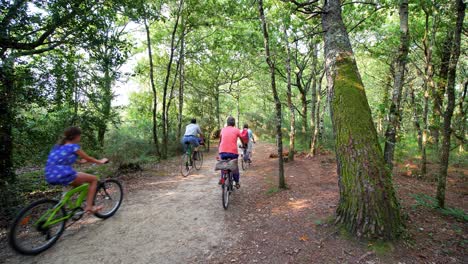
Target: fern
point(427, 201)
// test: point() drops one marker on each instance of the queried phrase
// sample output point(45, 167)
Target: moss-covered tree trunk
point(368, 206)
point(279, 119)
point(450, 91)
point(395, 111)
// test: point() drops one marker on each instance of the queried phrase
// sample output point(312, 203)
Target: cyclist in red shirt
point(228, 145)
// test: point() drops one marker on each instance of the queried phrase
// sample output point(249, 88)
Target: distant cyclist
point(250, 142)
point(228, 145)
point(193, 135)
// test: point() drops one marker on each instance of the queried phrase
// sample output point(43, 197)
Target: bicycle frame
point(66, 200)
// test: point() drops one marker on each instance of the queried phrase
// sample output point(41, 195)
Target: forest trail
point(166, 218)
point(175, 221)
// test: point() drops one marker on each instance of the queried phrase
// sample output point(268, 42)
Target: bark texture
point(271, 65)
point(165, 108)
point(292, 121)
point(450, 90)
point(368, 206)
point(395, 111)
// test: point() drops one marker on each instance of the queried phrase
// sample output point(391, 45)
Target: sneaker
point(237, 185)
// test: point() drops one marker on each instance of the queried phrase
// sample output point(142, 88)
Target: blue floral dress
point(59, 170)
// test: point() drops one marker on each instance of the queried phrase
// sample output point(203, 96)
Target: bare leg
point(92, 180)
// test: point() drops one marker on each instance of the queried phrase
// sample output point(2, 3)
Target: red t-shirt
point(229, 137)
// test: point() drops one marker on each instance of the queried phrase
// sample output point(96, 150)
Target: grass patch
point(427, 201)
point(272, 190)
point(380, 247)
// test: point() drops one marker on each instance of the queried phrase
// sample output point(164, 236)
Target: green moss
point(368, 205)
point(272, 190)
point(380, 247)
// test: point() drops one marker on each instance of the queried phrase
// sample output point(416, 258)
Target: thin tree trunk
point(317, 117)
point(292, 120)
point(452, 71)
point(438, 94)
point(165, 110)
point(368, 206)
point(428, 85)
point(106, 105)
point(462, 116)
point(218, 118)
point(153, 88)
point(315, 102)
point(271, 65)
point(181, 81)
point(395, 111)
point(424, 132)
point(238, 106)
point(416, 114)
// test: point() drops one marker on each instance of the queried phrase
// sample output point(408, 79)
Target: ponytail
point(69, 134)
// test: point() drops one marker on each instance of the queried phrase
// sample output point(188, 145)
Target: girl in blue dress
point(59, 170)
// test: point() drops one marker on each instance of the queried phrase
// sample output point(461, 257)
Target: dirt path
point(166, 218)
point(179, 220)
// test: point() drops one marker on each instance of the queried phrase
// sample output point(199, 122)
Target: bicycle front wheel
point(199, 161)
point(29, 233)
point(244, 166)
point(185, 165)
point(109, 195)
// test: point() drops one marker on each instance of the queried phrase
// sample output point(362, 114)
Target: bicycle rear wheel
point(28, 235)
point(225, 192)
point(185, 165)
point(109, 194)
point(199, 161)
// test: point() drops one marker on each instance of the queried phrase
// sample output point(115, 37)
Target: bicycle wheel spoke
point(29, 235)
point(108, 196)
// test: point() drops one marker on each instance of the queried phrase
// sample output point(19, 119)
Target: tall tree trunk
point(153, 88)
point(7, 99)
point(165, 110)
point(292, 120)
point(271, 65)
point(238, 107)
point(106, 105)
point(395, 111)
point(438, 94)
point(304, 111)
point(315, 102)
point(447, 131)
point(368, 205)
point(218, 114)
point(462, 116)
point(181, 80)
point(416, 113)
point(318, 115)
point(428, 85)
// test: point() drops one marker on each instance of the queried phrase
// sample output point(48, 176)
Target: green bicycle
point(190, 159)
point(38, 226)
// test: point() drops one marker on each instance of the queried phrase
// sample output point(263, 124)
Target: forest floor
point(166, 218)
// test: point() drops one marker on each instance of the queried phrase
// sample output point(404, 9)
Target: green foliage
point(427, 201)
